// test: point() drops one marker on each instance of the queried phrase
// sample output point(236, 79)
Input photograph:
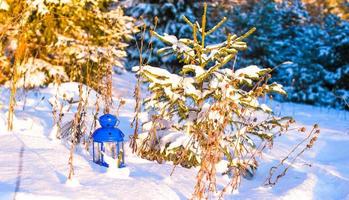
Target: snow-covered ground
point(33, 165)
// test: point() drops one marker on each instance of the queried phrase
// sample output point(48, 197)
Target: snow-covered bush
point(207, 114)
point(61, 40)
point(50, 39)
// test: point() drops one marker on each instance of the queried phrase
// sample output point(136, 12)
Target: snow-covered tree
point(287, 32)
point(168, 20)
point(53, 37)
point(207, 114)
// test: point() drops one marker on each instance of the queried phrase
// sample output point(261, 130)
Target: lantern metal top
point(107, 120)
point(108, 132)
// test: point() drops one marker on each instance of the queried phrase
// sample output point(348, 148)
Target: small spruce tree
point(207, 114)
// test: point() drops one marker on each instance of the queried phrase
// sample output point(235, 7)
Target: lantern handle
point(117, 122)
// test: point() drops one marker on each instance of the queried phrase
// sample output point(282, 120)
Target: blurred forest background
point(306, 42)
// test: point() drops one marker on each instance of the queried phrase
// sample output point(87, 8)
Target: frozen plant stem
point(137, 90)
point(70, 162)
point(16, 60)
point(12, 102)
point(108, 90)
point(311, 138)
point(76, 132)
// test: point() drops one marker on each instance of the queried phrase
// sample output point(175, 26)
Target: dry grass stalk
point(311, 137)
point(76, 130)
point(137, 91)
point(137, 109)
point(121, 103)
point(99, 76)
point(17, 59)
point(70, 162)
point(95, 118)
point(97, 107)
point(107, 94)
point(147, 149)
point(12, 102)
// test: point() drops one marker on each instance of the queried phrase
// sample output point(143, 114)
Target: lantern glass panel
point(122, 153)
point(97, 151)
point(110, 149)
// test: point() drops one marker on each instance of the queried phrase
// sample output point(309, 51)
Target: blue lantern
point(108, 141)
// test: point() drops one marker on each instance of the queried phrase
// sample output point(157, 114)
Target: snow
point(197, 69)
point(58, 1)
point(171, 38)
point(251, 71)
point(113, 171)
point(265, 108)
point(36, 72)
point(4, 5)
point(40, 171)
point(74, 182)
point(42, 9)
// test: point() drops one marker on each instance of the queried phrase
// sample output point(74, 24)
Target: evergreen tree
point(315, 64)
point(168, 20)
point(53, 37)
point(206, 114)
